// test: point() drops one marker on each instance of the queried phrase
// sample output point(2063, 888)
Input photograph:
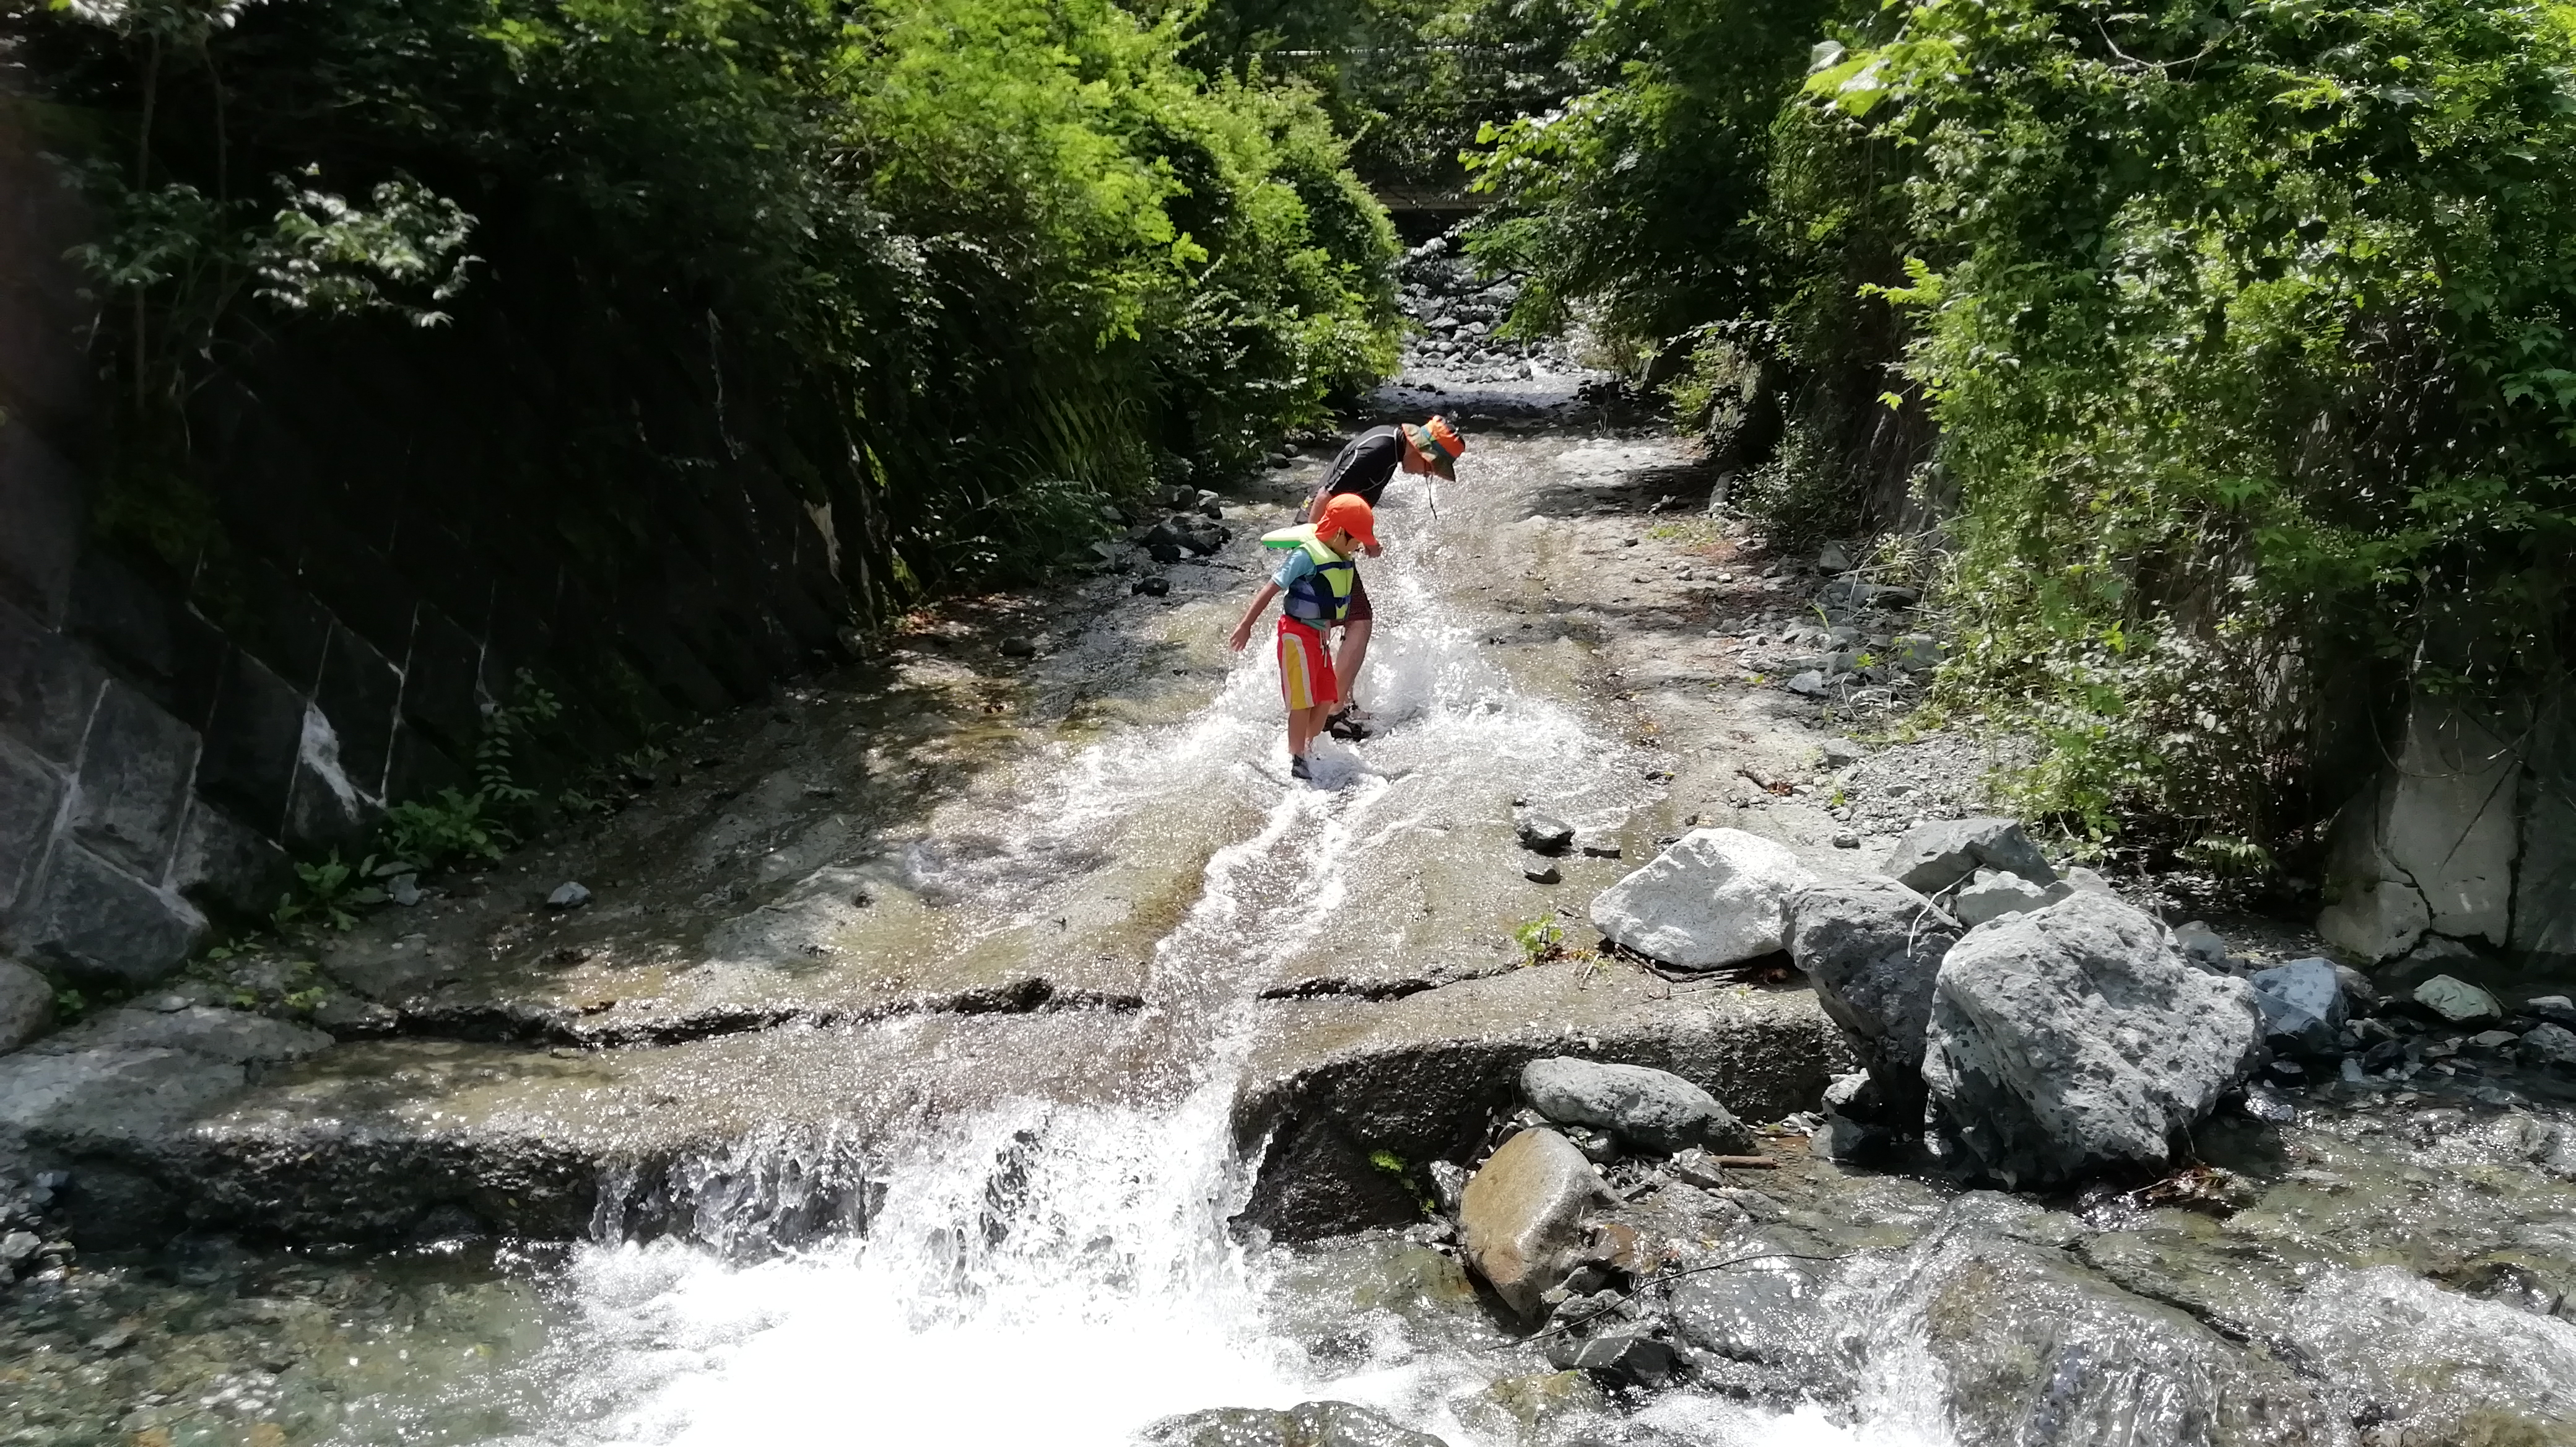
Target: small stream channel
point(1062, 1270)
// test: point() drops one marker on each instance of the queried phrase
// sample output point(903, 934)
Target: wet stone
point(2557, 1009)
point(568, 895)
point(2550, 1044)
point(1309, 1424)
point(1544, 833)
point(1654, 1110)
point(26, 1005)
point(1520, 1217)
point(2456, 1001)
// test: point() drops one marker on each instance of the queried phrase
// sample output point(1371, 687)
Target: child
point(1317, 577)
point(1365, 467)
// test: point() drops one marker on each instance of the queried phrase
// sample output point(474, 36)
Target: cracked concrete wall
point(2468, 835)
point(2544, 905)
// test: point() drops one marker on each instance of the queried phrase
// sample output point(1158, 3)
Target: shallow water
point(1060, 1269)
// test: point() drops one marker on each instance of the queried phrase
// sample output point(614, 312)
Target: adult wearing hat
point(1364, 467)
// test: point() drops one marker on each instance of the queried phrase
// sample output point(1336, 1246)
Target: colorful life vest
point(1324, 595)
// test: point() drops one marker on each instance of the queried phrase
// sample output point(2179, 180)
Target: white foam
point(1061, 1274)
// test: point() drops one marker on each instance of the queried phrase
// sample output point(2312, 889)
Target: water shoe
point(1297, 769)
point(1347, 726)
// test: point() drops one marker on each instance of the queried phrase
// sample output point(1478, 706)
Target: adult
point(1364, 467)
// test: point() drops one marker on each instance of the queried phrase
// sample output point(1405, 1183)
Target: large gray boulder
point(1872, 948)
point(26, 1005)
point(1308, 1424)
point(1521, 1218)
point(1651, 1109)
point(2074, 1038)
point(1939, 853)
point(1717, 897)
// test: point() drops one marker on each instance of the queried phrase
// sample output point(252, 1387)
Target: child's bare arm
point(1252, 615)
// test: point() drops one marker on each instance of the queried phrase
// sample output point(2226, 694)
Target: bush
point(2249, 335)
point(981, 262)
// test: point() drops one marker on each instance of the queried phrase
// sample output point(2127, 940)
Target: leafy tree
point(977, 262)
point(2247, 327)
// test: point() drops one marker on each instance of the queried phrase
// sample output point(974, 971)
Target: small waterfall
point(1061, 1272)
point(780, 1189)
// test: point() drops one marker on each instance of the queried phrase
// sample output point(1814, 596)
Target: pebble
point(1540, 871)
point(2557, 1009)
point(1544, 833)
point(568, 895)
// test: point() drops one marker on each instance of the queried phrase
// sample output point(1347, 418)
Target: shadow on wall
point(385, 548)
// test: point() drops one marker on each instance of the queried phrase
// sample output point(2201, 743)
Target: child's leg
point(1303, 725)
point(1306, 684)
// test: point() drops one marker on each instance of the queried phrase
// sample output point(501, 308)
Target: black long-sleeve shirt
point(1364, 465)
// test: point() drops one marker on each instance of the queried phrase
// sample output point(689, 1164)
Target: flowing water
point(1059, 1267)
point(1064, 1272)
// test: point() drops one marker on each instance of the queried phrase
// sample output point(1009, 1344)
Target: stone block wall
point(386, 529)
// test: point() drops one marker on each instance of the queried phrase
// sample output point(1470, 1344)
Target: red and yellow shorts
point(1305, 667)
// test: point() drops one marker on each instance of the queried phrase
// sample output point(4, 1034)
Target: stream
point(1059, 1266)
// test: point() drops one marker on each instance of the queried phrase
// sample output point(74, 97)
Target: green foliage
point(1409, 81)
point(1540, 939)
point(330, 892)
point(447, 830)
point(1637, 200)
point(2247, 332)
point(326, 255)
point(2249, 335)
point(979, 263)
point(460, 828)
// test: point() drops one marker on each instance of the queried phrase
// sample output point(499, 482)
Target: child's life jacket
point(1324, 595)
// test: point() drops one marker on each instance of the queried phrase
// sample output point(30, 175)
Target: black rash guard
point(1365, 465)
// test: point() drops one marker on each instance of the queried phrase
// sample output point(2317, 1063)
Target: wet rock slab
point(1308, 1424)
point(366, 1142)
point(1423, 1077)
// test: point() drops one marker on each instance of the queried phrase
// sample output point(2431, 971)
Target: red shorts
point(1305, 667)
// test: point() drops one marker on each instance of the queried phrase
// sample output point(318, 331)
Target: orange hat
point(1439, 444)
point(1346, 512)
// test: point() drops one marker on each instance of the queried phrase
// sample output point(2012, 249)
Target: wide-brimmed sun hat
point(1439, 444)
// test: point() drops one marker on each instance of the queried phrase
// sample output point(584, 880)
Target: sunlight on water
point(1061, 1274)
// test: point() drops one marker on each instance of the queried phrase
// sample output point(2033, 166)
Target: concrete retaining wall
point(374, 532)
point(2467, 836)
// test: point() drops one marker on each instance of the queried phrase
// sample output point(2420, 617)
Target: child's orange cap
point(1346, 512)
